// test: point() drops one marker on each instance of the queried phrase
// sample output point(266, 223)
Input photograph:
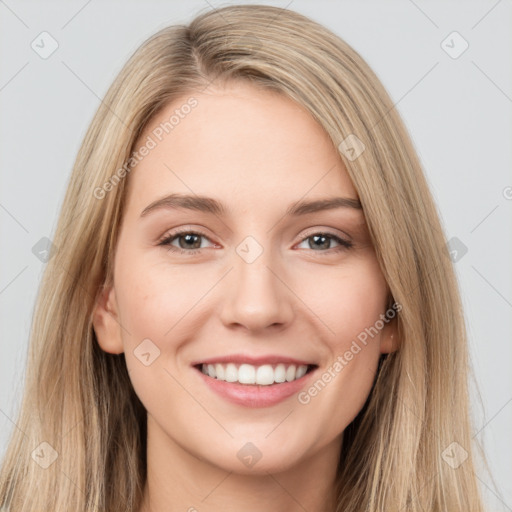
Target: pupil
point(319, 237)
point(189, 238)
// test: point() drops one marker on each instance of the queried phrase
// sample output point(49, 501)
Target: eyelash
point(168, 238)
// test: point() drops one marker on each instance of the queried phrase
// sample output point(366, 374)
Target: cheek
point(156, 301)
point(351, 314)
point(348, 302)
point(154, 325)
point(360, 309)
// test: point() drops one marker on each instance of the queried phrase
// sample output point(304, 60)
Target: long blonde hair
point(80, 400)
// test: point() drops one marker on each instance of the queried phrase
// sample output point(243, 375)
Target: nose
point(256, 296)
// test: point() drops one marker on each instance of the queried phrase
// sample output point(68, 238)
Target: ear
point(106, 322)
point(389, 337)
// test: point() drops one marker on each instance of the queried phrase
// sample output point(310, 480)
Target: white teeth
point(219, 371)
point(263, 375)
point(301, 371)
point(231, 374)
point(246, 374)
point(280, 373)
point(290, 373)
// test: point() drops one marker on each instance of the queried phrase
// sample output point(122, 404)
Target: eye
point(322, 242)
point(188, 241)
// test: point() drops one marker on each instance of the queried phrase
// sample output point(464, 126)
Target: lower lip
point(253, 395)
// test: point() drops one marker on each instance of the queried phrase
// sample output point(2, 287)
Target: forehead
point(240, 143)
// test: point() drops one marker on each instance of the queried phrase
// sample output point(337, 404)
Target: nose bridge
point(255, 296)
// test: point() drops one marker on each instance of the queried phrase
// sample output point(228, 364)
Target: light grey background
point(458, 111)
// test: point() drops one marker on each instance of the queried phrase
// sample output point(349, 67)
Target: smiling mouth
point(259, 375)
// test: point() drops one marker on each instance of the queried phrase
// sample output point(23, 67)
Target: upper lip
point(253, 360)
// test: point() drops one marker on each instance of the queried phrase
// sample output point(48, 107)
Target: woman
point(250, 304)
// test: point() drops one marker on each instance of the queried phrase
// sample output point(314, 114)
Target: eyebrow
point(210, 205)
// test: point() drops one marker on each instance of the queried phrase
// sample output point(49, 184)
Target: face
point(222, 300)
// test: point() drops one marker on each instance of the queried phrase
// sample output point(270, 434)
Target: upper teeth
point(248, 374)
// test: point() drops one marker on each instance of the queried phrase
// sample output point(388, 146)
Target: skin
point(256, 152)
